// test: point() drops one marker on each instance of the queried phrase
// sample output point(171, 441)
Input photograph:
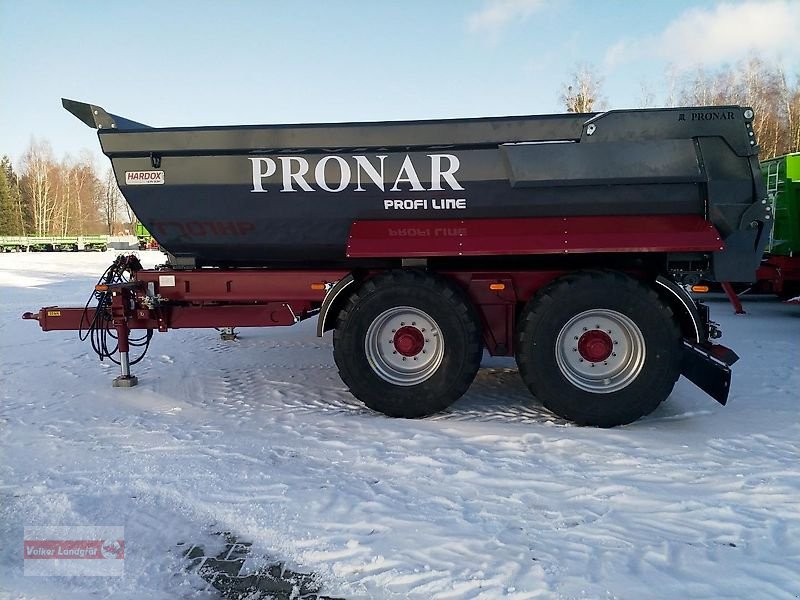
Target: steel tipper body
point(562, 240)
point(284, 195)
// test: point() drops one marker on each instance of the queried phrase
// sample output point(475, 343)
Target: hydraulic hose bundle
point(99, 329)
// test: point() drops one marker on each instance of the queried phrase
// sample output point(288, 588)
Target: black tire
point(791, 289)
point(368, 368)
point(631, 384)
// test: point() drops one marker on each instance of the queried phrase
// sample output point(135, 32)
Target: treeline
point(46, 196)
point(765, 87)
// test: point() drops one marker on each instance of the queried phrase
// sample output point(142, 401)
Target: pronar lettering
point(296, 174)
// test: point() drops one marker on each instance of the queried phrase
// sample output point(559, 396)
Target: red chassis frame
point(776, 271)
point(236, 298)
point(204, 298)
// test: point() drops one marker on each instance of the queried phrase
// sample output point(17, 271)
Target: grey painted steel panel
point(660, 161)
point(225, 199)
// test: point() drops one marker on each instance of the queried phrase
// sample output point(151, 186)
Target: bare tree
point(582, 94)
point(84, 182)
point(111, 201)
point(794, 123)
point(791, 104)
point(129, 215)
point(697, 88)
point(762, 87)
point(647, 97)
point(37, 184)
point(60, 197)
point(66, 197)
point(671, 78)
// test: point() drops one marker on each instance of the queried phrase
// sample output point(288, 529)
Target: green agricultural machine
point(53, 243)
point(782, 177)
point(146, 241)
point(780, 270)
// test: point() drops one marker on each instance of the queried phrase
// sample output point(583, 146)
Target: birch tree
point(759, 85)
point(111, 201)
point(582, 93)
point(37, 184)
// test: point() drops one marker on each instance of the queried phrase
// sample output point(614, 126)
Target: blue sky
point(247, 61)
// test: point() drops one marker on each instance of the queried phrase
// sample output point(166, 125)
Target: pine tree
point(7, 208)
point(15, 215)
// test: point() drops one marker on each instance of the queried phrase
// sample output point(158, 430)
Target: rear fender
point(333, 303)
point(691, 323)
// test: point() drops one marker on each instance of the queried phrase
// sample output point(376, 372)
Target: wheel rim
point(404, 346)
point(600, 351)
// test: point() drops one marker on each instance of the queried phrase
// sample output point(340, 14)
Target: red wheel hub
point(409, 341)
point(595, 346)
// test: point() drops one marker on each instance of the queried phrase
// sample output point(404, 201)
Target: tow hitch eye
point(29, 316)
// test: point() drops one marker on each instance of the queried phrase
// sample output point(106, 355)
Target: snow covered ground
point(494, 498)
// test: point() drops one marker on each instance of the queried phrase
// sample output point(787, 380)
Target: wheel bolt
point(415, 358)
point(413, 322)
point(585, 329)
point(613, 354)
point(581, 359)
point(592, 365)
point(404, 358)
point(574, 349)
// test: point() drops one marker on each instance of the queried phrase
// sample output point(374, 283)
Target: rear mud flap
point(709, 368)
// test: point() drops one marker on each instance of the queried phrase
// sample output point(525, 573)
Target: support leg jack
point(733, 298)
point(121, 381)
point(125, 378)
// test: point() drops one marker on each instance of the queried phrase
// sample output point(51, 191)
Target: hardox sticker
point(144, 177)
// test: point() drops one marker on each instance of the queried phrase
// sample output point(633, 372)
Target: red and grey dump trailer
point(563, 240)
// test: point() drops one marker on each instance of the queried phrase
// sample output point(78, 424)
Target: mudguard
point(708, 368)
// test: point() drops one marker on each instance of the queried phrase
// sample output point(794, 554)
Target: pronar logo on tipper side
point(358, 169)
point(144, 177)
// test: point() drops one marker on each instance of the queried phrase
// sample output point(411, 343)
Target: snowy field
point(494, 498)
